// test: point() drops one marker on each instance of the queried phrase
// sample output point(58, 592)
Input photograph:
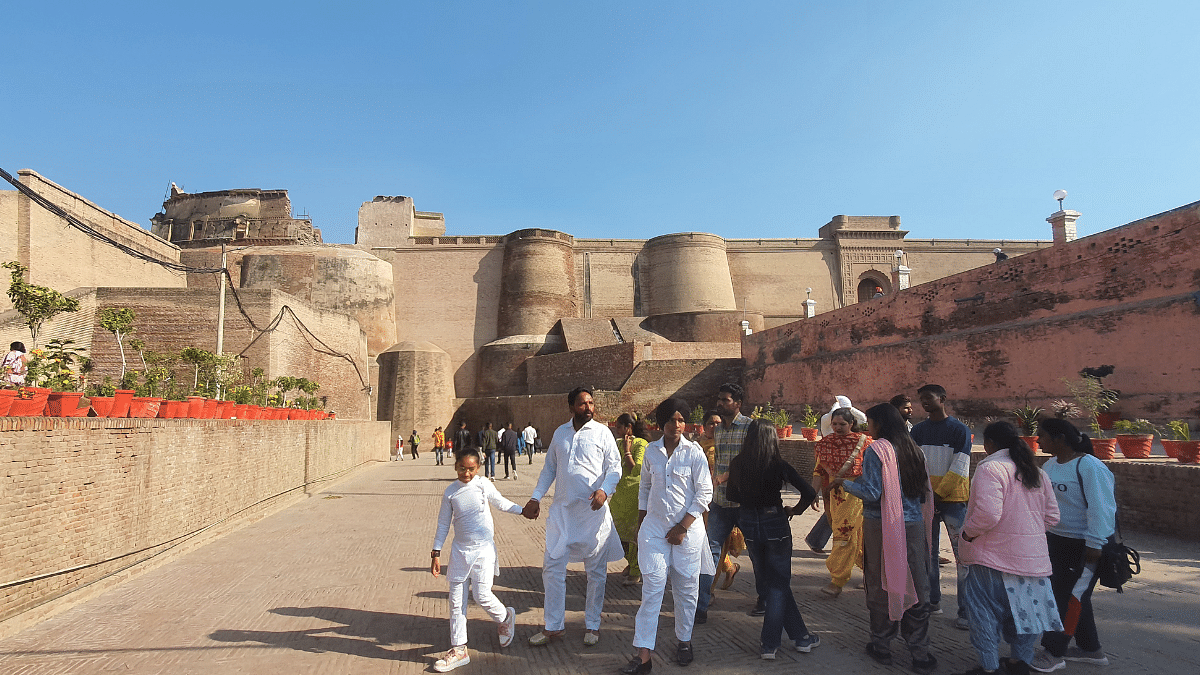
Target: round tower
point(688, 272)
point(538, 285)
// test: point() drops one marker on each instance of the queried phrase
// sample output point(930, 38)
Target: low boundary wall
point(88, 502)
point(1157, 495)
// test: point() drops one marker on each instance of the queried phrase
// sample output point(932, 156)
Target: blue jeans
point(520, 446)
point(991, 618)
point(953, 514)
point(721, 521)
point(769, 541)
point(441, 454)
point(489, 463)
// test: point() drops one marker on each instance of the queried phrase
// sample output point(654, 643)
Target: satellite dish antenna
point(1060, 195)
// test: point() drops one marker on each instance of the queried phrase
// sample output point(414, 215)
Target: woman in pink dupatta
point(897, 515)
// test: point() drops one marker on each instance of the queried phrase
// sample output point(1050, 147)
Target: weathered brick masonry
point(1005, 334)
point(80, 491)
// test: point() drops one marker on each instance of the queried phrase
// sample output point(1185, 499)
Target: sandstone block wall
point(1006, 333)
point(78, 492)
point(64, 258)
point(171, 319)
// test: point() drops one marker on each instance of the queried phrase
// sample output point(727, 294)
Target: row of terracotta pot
point(125, 404)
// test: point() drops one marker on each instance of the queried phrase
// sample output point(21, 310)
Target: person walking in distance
point(529, 435)
point(508, 449)
point(439, 445)
point(413, 441)
point(583, 462)
point(488, 442)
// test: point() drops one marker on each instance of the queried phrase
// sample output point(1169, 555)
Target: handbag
point(1118, 563)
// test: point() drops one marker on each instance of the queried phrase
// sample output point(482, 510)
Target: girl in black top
point(755, 478)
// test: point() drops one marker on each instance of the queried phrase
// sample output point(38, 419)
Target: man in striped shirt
point(722, 513)
point(946, 443)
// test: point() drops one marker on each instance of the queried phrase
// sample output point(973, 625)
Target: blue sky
point(619, 119)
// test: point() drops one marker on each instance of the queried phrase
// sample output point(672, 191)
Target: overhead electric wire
point(187, 269)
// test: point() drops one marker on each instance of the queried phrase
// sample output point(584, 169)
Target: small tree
point(200, 359)
point(36, 304)
point(119, 322)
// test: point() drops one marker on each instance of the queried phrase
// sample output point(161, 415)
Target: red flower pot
point(164, 410)
point(144, 407)
point(30, 407)
point(195, 407)
point(209, 410)
point(7, 396)
point(808, 433)
point(1188, 452)
point(1105, 448)
point(1171, 448)
point(239, 411)
point(1031, 441)
point(1135, 446)
point(121, 400)
point(63, 403)
point(102, 405)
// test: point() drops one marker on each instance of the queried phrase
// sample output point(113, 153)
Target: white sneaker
point(1045, 662)
point(507, 628)
point(457, 656)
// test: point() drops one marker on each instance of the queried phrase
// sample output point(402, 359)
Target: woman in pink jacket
point(1007, 591)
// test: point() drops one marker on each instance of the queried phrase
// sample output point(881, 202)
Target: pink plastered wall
point(1005, 334)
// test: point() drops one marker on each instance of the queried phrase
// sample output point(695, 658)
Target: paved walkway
point(339, 584)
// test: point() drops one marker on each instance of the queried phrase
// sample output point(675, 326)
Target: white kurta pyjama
point(578, 463)
point(670, 488)
point(473, 554)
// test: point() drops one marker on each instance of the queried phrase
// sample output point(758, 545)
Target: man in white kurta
point(584, 463)
point(674, 493)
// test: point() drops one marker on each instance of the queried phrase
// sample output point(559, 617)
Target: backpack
point(1118, 563)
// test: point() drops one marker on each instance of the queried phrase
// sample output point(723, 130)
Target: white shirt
point(530, 435)
point(500, 433)
point(465, 505)
point(580, 462)
point(670, 488)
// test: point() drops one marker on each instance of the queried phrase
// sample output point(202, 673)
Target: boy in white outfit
point(472, 557)
point(673, 496)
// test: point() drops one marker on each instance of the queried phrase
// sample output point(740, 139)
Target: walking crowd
point(1026, 540)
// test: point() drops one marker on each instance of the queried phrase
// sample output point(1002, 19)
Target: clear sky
point(618, 119)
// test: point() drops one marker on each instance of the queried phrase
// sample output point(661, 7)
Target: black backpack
point(1118, 563)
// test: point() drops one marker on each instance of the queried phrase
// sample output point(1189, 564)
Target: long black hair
point(1056, 428)
point(638, 424)
point(1005, 436)
point(910, 461)
point(759, 451)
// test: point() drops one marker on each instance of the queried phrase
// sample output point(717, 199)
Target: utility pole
point(221, 319)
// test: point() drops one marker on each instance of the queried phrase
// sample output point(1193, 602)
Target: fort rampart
point(1006, 334)
point(110, 497)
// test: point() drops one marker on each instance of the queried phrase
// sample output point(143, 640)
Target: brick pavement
point(338, 583)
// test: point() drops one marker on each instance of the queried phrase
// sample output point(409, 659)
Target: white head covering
point(841, 402)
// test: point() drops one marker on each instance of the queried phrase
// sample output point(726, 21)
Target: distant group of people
point(509, 443)
point(1022, 536)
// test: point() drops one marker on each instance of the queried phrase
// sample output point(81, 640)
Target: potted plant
point(119, 322)
point(1087, 392)
point(1184, 449)
point(101, 395)
point(1106, 417)
point(696, 420)
point(1027, 419)
point(65, 386)
point(809, 419)
point(1135, 437)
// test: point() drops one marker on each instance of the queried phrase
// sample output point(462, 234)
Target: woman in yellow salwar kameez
point(632, 439)
point(839, 455)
